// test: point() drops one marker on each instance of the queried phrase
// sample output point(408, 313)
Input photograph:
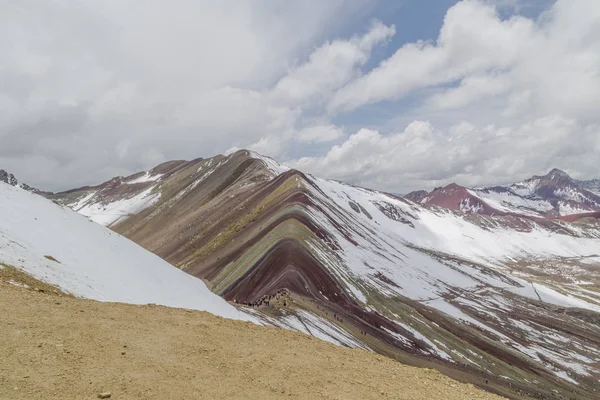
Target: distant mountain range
point(497, 286)
point(592, 185)
point(553, 195)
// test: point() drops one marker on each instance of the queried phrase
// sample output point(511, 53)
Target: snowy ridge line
point(273, 166)
point(105, 214)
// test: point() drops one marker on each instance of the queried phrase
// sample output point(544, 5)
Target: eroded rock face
point(8, 178)
point(416, 195)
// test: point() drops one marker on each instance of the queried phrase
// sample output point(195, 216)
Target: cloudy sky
point(394, 95)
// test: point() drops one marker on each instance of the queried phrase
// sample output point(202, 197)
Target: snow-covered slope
point(507, 201)
point(116, 210)
point(58, 246)
point(484, 271)
point(387, 227)
point(115, 200)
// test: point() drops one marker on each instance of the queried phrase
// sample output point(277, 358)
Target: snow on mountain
point(119, 198)
point(592, 185)
point(563, 192)
point(112, 212)
point(58, 246)
point(454, 197)
point(442, 232)
point(553, 195)
point(116, 200)
point(507, 201)
point(420, 253)
point(273, 166)
point(145, 177)
point(487, 201)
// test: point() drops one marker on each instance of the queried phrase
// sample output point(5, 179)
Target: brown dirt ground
point(56, 346)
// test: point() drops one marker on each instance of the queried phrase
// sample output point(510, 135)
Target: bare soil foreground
point(59, 347)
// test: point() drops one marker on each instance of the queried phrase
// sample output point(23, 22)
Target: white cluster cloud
point(320, 133)
point(328, 68)
point(525, 101)
point(422, 156)
point(491, 56)
point(97, 89)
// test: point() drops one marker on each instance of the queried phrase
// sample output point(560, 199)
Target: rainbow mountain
point(509, 302)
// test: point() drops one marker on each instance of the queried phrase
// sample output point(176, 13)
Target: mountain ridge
point(363, 268)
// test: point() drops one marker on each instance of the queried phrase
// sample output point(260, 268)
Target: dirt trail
point(54, 346)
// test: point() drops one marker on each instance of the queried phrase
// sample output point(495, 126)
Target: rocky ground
point(56, 346)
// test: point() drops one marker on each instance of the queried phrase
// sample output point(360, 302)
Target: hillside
point(60, 347)
point(511, 298)
point(63, 248)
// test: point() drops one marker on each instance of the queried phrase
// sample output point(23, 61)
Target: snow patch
point(273, 166)
point(146, 177)
point(112, 212)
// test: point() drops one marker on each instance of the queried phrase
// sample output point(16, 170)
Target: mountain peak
point(453, 185)
point(558, 173)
